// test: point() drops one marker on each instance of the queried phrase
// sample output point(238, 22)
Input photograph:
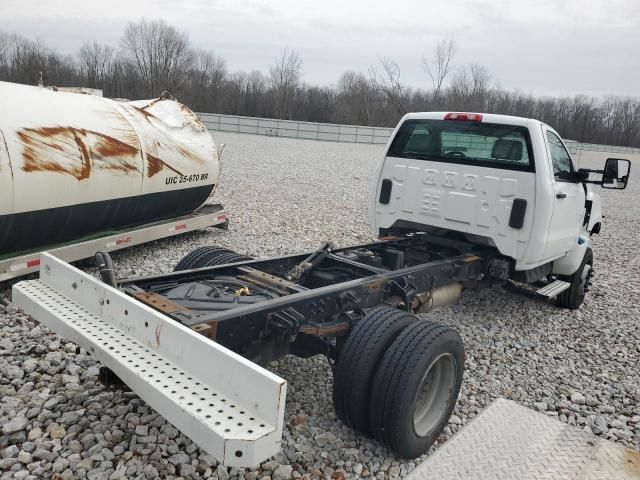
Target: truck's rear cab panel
point(485, 177)
point(460, 198)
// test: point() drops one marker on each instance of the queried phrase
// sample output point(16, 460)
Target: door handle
point(561, 195)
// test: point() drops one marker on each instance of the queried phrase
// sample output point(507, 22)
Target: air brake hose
point(105, 267)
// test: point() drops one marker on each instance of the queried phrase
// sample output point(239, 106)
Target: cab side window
point(562, 166)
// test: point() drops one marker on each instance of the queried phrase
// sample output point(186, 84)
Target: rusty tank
point(74, 166)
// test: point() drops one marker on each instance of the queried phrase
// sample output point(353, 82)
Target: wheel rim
point(433, 395)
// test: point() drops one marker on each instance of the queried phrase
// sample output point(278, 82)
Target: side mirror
point(616, 173)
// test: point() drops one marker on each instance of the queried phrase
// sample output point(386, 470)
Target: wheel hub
point(433, 394)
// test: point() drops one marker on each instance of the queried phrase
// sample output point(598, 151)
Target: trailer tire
point(358, 362)
point(416, 387)
point(209, 257)
point(574, 296)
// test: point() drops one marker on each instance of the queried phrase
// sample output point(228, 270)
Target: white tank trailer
point(74, 166)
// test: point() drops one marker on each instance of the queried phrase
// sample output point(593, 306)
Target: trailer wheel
point(358, 361)
point(209, 257)
point(416, 387)
point(573, 296)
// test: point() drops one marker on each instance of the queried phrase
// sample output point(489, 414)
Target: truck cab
point(496, 180)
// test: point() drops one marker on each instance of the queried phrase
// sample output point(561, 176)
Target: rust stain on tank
point(75, 151)
point(112, 147)
point(125, 168)
point(144, 112)
point(38, 143)
point(191, 155)
point(155, 165)
point(191, 118)
point(194, 121)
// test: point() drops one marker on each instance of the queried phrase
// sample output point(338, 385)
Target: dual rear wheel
point(398, 378)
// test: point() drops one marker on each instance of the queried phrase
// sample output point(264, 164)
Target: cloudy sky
point(539, 46)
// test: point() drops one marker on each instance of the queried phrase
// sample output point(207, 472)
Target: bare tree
point(480, 78)
point(470, 87)
point(160, 52)
point(388, 83)
point(155, 56)
point(439, 68)
point(355, 97)
point(285, 74)
point(254, 90)
point(95, 63)
point(27, 59)
point(4, 48)
point(205, 80)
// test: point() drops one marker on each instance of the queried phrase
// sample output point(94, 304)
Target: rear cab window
point(465, 142)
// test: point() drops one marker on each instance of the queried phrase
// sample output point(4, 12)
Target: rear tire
point(574, 296)
point(358, 362)
point(416, 388)
point(209, 257)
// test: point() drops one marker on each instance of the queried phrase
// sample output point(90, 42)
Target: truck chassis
point(213, 323)
point(258, 309)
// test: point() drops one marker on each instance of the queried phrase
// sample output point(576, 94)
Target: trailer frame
point(209, 215)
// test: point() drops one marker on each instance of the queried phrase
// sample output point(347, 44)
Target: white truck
point(501, 181)
point(460, 200)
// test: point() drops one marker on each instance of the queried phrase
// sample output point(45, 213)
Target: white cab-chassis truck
point(460, 200)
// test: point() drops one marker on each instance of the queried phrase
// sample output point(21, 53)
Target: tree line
point(153, 56)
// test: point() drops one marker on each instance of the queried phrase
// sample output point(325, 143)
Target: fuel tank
point(74, 166)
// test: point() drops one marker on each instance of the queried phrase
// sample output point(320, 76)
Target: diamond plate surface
point(509, 441)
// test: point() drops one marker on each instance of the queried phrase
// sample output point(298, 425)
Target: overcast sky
point(542, 46)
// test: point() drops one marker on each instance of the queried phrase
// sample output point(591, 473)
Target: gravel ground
point(287, 196)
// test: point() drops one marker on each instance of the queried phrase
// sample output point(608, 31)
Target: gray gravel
point(287, 196)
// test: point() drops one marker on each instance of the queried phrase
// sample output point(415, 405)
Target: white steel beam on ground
point(229, 406)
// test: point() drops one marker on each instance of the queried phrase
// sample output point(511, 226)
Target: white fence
point(596, 147)
point(292, 129)
point(346, 133)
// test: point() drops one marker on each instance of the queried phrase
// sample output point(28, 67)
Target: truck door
point(569, 201)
